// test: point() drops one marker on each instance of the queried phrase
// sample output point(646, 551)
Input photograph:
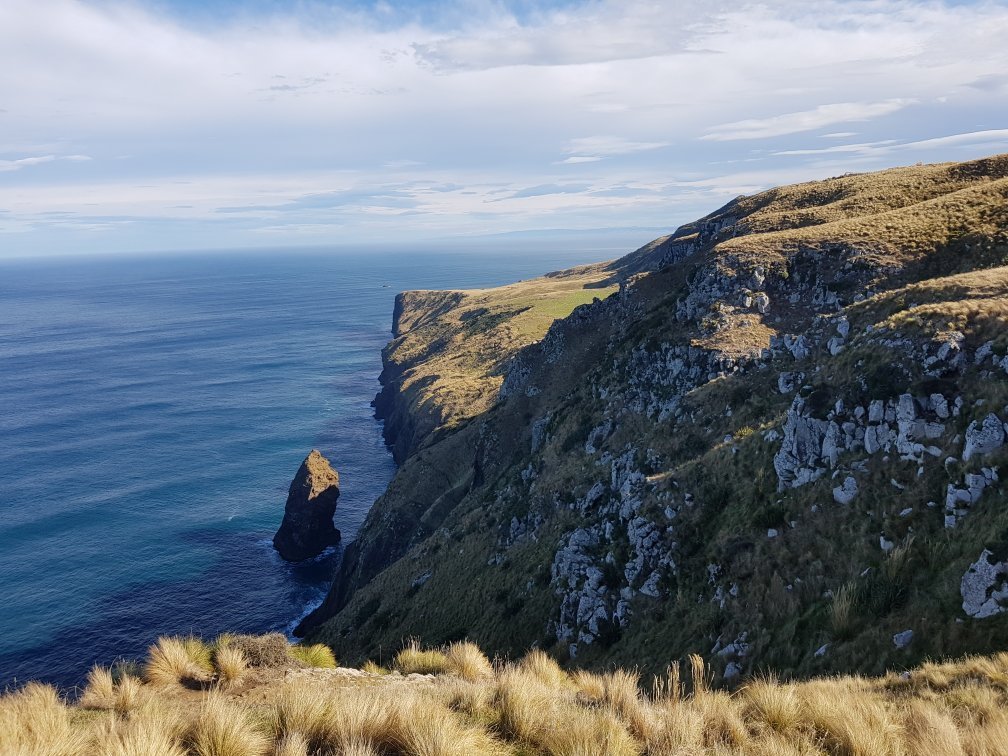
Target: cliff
point(772, 436)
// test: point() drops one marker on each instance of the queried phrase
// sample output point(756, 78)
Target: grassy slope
point(904, 234)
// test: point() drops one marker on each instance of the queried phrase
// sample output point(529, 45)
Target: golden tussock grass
point(316, 655)
point(291, 744)
point(413, 659)
point(100, 691)
point(468, 662)
point(231, 664)
point(532, 707)
point(129, 695)
point(169, 663)
point(373, 668)
point(222, 728)
point(34, 720)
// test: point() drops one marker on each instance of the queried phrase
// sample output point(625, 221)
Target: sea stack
point(307, 527)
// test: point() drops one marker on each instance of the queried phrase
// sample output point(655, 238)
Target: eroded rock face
point(307, 527)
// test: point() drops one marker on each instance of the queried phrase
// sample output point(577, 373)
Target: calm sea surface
point(152, 413)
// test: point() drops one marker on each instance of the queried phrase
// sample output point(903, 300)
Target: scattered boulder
point(307, 528)
point(902, 640)
point(846, 493)
point(984, 587)
point(983, 438)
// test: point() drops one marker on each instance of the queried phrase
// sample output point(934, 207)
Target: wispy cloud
point(804, 120)
point(994, 138)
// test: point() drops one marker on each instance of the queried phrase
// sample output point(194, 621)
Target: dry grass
point(373, 668)
point(100, 691)
point(129, 695)
point(223, 729)
point(468, 662)
point(168, 663)
point(231, 664)
point(413, 659)
point(316, 655)
point(532, 707)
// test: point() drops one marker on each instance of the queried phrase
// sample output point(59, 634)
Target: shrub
point(317, 655)
point(270, 650)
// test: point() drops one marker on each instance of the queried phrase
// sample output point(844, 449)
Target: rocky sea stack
point(307, 527)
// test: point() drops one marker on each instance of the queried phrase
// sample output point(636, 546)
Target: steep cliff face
point(779, 441)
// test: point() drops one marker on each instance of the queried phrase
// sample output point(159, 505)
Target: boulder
point(984, 587)
point(307, 527)
point(846, 493)
point(983, 438)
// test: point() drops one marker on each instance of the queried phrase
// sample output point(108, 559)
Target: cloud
point(16, 165)
point(993, 137)
point(805, 120)
point(408, 123)
point(595, 148)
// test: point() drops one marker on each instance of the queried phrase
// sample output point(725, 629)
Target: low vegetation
point(465, 704)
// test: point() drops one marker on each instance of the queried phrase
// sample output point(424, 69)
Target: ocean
point(153, 410)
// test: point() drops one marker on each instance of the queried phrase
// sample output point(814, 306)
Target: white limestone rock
point(846, 493)
point(984, 587)
point(983, 438)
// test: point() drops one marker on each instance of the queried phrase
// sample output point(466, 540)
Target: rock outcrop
point(307, 528)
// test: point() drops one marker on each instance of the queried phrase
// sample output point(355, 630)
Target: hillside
point(776, 443)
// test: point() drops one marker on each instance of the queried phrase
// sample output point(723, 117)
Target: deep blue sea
point(152, 413)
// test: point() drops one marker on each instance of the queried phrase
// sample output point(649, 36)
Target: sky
point(201, 124)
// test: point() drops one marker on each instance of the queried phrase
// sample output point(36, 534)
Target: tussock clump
point(413, 659)
point(270, 650)
point(473, 698)
point(549, 717)
point(100, 690)
point(231, 665)
point(317, 655)
point(424, 726)
point(200, 653)
point(373, 668)
point(774, 704)
point(468, 662)
point(292, 744)
point(35, 720)
point(169, 663)
point(224, 729)
point(129, 695)
point(545, 669)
